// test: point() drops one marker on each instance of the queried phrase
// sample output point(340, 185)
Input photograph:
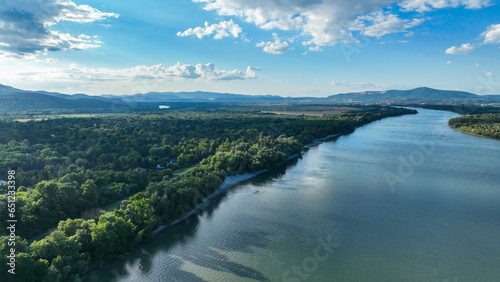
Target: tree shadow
point(143, 263)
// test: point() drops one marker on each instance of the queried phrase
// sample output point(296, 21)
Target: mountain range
point(390, 96)
point(13, 99)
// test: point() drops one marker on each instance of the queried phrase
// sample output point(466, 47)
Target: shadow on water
point(143, 265)
point(212, 259)
point(274, 174)
point(139, 265)
point(142, 256)
point(212, 256)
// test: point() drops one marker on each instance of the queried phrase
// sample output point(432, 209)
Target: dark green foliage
point(63, 254)
point(26, 267)
point(484, 124)
point(110, 236)
point(68, 170)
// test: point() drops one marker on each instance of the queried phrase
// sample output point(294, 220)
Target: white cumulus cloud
point(315, 48)
point(463, 49)
point(383, 24)
point(276, 47)
point(26, 26)
point(427, 5)
point(492, 34)
point(187, 71)
point(77, 74)
point(221, 30)
point(321, 22)
point(252, 72)
point(329, 22)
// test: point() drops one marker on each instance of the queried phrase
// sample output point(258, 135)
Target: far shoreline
point(473, 134)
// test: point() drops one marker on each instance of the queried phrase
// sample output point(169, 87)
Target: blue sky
point(281, 47)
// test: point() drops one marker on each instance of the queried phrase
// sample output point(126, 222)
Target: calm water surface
point(401, 199)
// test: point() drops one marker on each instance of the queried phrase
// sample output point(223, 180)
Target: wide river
point(401, 199)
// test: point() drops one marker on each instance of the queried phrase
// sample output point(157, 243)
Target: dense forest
point(155, 167)
point(483, 124)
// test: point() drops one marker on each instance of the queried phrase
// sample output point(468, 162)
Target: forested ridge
point(483, 124)
point(68, 169)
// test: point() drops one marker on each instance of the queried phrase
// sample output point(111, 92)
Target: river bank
point(337, 194)
point(318, 141)
point(232, 180)
point(229, 182)
point(474, 134)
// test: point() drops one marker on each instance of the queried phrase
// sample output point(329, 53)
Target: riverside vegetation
point(67, 170)
point(483, 124)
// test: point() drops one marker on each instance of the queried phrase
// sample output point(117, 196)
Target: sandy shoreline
point(318, 141)
point(232, 180)
point(229, 182)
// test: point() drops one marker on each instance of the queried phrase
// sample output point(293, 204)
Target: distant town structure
point(162, 107)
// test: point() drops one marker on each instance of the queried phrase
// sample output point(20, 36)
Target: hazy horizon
point(304, 48)
point(261, 94)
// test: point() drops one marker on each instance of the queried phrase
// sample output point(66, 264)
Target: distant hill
point(198, 97)
point(12, 99)
point(391, 96)
point(417, 94)
point(16, 100)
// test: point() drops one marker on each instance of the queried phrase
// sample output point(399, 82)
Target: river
point(401, 199)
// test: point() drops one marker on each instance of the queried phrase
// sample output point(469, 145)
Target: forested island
point(487, 125)
point(89, 189)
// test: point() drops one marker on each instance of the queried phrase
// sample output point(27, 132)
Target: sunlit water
point(401, 199)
